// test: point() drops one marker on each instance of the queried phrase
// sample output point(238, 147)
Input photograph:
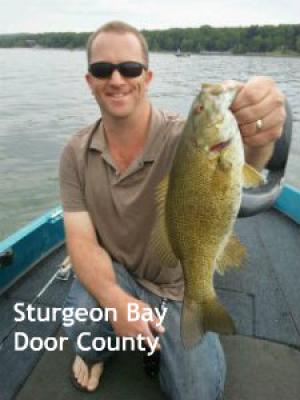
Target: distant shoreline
point(201, 53)
point(264, 40)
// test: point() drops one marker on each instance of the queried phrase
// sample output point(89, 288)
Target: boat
point(263, 359)
point(179, 53)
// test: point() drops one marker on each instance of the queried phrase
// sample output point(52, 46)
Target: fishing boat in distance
point(180, 53)
point(263, 359)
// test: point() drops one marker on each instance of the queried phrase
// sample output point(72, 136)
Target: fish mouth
point(220, 146)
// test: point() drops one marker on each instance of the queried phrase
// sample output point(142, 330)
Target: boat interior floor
point(263, 297)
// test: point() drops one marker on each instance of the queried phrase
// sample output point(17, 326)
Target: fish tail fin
point(199, 318)
point(216, 318)
point(191, 326)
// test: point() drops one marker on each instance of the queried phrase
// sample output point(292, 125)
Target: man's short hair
point(119, 27)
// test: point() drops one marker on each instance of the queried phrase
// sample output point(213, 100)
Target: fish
point(197, 206)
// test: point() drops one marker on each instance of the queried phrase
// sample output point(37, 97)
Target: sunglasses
point(128, 69)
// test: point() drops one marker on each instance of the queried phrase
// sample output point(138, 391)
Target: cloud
point(87, 15)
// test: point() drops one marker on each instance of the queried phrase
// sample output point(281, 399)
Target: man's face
point(117, 96)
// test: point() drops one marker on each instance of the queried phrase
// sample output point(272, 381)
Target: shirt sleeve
point(71, 189)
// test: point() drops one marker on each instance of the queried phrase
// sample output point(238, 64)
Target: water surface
point(44, 99)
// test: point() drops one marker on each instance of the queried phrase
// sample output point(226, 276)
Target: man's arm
point(259, 99)
point(91, 263)
point(93, 267)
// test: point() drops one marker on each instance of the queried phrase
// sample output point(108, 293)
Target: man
point(108, 174)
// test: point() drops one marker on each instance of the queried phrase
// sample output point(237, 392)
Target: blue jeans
point(196, 374)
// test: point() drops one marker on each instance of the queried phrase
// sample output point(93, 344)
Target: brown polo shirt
point(122, 206)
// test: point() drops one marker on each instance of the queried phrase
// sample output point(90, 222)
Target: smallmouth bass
point(198, 203)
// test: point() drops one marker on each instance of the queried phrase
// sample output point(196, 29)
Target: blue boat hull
point(25, 248)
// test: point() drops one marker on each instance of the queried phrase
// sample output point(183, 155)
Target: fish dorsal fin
point(159, 240)
point(252, 178)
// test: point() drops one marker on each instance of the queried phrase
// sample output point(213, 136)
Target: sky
point(87, 15)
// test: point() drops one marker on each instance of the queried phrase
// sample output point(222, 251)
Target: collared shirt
point(122, 205)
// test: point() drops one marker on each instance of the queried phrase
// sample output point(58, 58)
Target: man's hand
point(259, 100)
point(123, 327)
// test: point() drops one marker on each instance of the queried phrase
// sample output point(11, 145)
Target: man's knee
point(79, 297)
point(91, 319)
point(198, 373)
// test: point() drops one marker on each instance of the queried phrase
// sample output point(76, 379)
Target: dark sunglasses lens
point(101, 70)
point(130, 69)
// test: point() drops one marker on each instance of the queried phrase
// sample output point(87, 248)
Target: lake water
point(44, 99)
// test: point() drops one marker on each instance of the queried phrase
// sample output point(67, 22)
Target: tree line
point(282, 39)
